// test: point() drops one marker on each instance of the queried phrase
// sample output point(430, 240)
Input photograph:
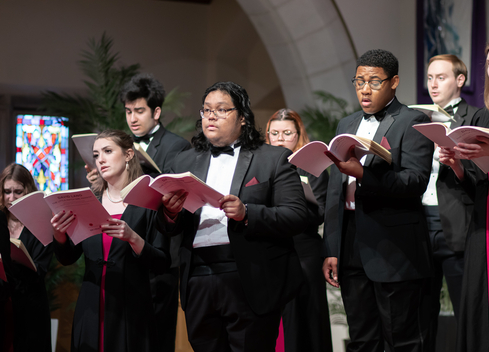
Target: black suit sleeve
point(411, 177)
point(286, 213)
point(178, 146)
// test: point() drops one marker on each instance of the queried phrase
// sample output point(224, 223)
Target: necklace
point(108, 196)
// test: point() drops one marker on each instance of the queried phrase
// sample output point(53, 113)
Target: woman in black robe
point(114, 311)
point(305, 319)
point(31, 316)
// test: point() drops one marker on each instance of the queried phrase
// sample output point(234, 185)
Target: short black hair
point(380, 58)
point(250, 137)
point(144, 85)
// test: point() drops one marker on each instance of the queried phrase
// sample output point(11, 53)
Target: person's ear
point(129, 154)
point(460, 80)
point(394, 82)
point(157, 114)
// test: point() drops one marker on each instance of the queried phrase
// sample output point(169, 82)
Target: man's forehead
point(370, 71)
point(218, 97)
point(440, 67)
point(136, 104)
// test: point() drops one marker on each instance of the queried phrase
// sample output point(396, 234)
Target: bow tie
point(146, 138)
point(216, 151)
point(449, 109)
point(379, 115)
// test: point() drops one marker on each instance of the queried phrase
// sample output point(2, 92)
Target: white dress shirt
point(430, 196)
point(213, 226)
point(145, 145)
point(367, 129)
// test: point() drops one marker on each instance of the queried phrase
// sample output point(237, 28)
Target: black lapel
point(202, 162)
point(155, 142)
point(460, 115)
point(385, 124)
point(244, 160)
point(201, 169)
point(352, 128)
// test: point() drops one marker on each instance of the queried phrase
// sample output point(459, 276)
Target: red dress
point(106, 242)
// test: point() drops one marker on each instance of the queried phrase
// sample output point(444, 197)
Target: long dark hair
point(250, 137)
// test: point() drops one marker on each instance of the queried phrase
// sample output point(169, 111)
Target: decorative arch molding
point(309, 46)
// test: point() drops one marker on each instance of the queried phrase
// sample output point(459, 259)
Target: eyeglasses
point(218, 113)
point(375, 84)
point(287, 135)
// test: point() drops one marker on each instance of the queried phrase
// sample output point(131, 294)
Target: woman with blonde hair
point(305, 319)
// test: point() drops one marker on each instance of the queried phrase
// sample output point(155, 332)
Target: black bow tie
point(449, 109)
point(216, 151)
point(379, 115)
point(146, 138)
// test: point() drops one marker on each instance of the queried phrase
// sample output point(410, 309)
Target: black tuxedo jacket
point(392, 234)
point(454, 204)
point(163, 148)
point(267, 264)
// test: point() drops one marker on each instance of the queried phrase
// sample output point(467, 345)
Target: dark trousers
point(446, 263)
point(219, 319)
point(381, 315)
point(164, 291)
point(306, 318)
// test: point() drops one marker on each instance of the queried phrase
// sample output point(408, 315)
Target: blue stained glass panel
point(42, 147)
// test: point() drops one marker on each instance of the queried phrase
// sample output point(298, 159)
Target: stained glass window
point(42, 147)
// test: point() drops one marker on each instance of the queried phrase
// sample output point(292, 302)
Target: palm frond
point(181, 125)
point(174, 101)
point(322, 120)
point(100, 108)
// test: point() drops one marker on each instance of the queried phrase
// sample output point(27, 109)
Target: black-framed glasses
point(375, 84)
point(218, 113)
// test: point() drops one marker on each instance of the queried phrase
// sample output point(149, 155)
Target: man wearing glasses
point(238, 264)
point(376, 238)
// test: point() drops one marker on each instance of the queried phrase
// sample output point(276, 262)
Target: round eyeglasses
point(287, 135)
point(375, 84)
point(218, 113)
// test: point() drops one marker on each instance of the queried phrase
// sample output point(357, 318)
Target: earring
point(127, 166)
